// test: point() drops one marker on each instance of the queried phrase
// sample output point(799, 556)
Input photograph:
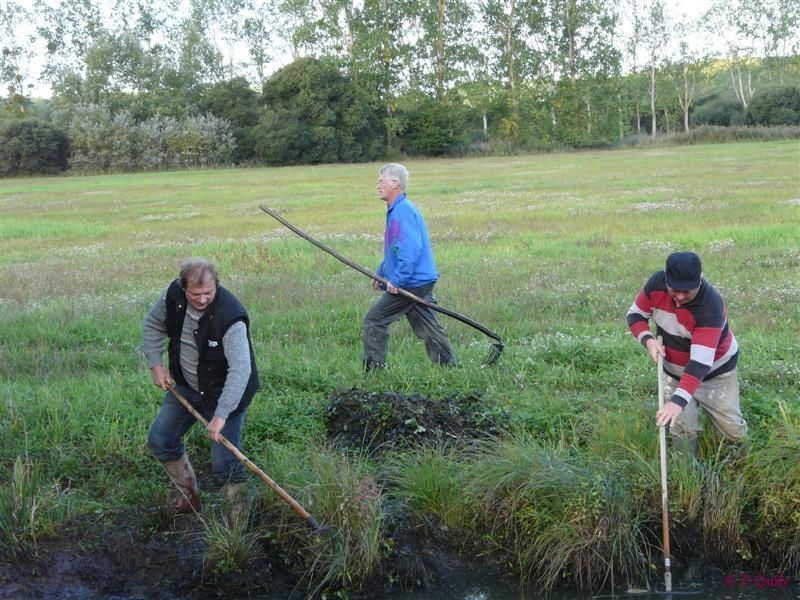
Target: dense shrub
point(238, 104)
point(719, 111)
point(104, 142)
point(775, 106)
point(32, 147)
point(101, 141)
point(315, 115)
point(432, 129)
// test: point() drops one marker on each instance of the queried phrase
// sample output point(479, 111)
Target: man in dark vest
point(211, 363)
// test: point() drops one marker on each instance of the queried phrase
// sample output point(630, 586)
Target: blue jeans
point(165, 438)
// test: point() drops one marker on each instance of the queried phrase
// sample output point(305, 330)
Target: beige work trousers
point(719, 399)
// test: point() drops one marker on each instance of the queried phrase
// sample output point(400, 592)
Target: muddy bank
point(119, 563)
point(127, 561)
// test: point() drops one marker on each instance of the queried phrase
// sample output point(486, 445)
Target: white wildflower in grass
point(720, 246)
point(350, 237)
point(680, 205)
point(171, 217)
point(651, 246)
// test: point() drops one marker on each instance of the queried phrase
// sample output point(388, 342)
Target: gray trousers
point(388, 309)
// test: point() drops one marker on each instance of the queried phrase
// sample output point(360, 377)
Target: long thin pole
point(252, 467)
point(662, 443)
point(378, 278)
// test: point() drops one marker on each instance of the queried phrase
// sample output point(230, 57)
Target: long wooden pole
point(662, 443)
point(252, 467)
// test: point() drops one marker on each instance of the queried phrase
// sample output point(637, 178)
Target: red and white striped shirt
point(698, 342)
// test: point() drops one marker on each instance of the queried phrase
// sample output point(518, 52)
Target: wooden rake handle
point(250, 465)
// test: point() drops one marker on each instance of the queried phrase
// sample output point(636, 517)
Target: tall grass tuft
point(231, 545)
point(686, 481)
point(429, 483)
point(722, 515)
point(558, 519)
point(340, 492)
point(773, 480)
point(29, 510)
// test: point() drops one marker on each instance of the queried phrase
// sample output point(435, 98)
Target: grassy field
point(548, 250)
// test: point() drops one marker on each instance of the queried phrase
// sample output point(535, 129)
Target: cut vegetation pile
point(377, 421)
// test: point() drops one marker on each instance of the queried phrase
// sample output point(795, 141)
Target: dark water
point(451, 578)
point(729, 586)
point(468, 587)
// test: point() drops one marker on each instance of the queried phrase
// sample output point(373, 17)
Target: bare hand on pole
point(668, 414)
point(668, 411)
point(214, 428)
point(161, 377)
point(654, 349)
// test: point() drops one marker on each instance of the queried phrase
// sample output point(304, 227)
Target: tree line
point(152, 85)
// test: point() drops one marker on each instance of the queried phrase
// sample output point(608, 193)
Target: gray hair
point(196, 271)
point(396, 172)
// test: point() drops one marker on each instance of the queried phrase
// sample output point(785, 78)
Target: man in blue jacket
point(407, 263)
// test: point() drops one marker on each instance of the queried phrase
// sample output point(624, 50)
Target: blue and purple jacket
point(407, 254)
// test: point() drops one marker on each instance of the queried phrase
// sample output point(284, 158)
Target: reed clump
point(29, 509)
point(340, 491)
point(428, 483)
point(772, 480)
point(233, 544)
point(558, 519)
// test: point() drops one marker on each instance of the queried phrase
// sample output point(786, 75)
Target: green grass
point(547, 250)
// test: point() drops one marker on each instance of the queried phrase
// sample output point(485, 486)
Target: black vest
point(212, 367)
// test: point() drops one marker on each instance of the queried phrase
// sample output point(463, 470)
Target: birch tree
point(69, 30)
point(754, 32)
point(584, 64)
point(16, 50)
point(383, 57)
point(445, 43)
point(655, 38)
point(258, 28)
point(686, 73)
point(338, 32)
point(509, 28)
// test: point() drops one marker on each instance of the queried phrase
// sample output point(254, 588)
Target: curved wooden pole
point(497, 348)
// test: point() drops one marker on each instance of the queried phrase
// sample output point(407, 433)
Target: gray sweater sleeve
point(154, 332)
point(237, 353)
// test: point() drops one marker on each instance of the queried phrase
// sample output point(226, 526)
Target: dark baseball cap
point(683, 271)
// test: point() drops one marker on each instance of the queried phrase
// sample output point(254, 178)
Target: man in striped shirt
point(699, 350)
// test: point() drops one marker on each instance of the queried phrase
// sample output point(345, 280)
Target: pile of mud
point(378, 421)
